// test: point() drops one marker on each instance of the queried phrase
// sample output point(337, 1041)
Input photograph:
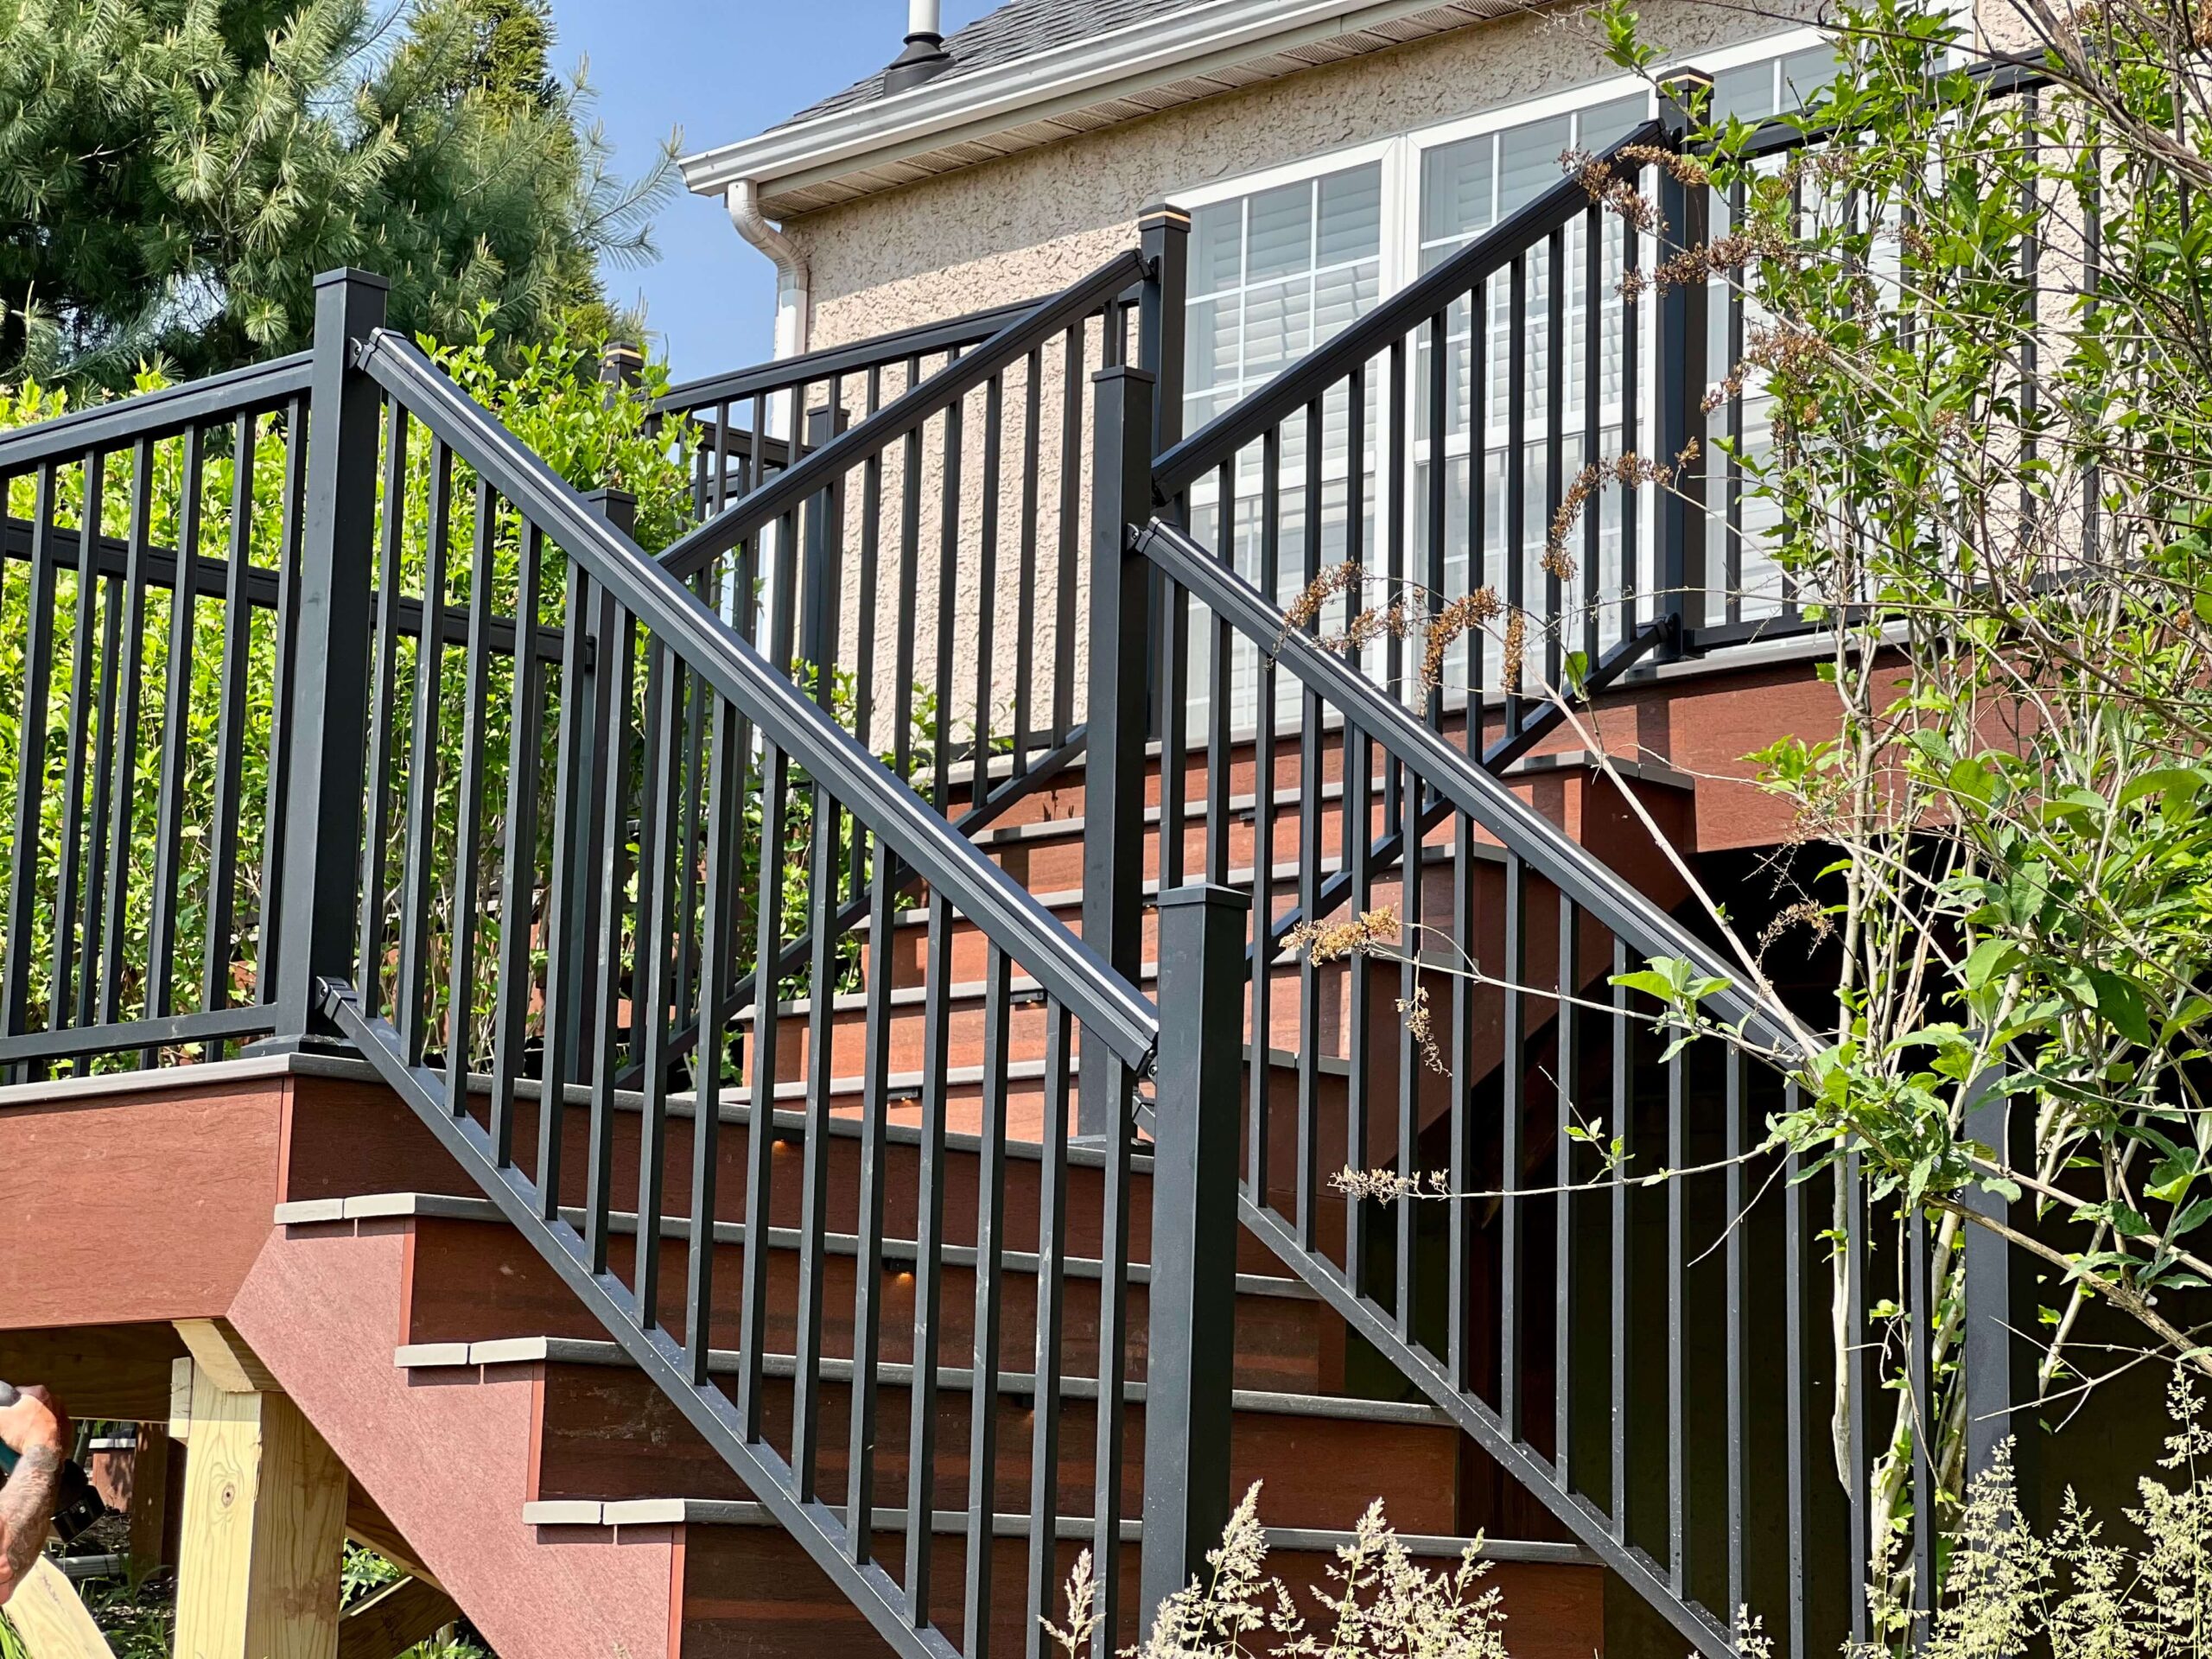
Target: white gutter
point(793, 319)
point(1211, 34)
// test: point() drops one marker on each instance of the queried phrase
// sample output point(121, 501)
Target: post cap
point(348, 273)
point(610, 492)
point(1123, 372)
point(1205, 892)
point(1162, 215)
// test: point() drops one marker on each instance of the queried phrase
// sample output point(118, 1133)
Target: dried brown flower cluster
point(1806, 913)
point(1396, 619)
point(1468, 611)
point(1305, 609)
point(1609, 190)
point(1387, 1187)
point(1321, 942)
point(1629, 470)
point(1414, 1010)
point(1517, 648)
point(1686, 170)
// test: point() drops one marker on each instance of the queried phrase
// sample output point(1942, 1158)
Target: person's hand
point(35, 1420)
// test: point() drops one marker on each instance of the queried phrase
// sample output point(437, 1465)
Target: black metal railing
point(145, 788)
point(477, 773)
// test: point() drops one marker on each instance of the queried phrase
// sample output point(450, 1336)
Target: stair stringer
point(819, 1530)
point(449, 1466)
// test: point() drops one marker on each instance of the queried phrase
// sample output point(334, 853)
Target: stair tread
point(588, 1351)
point(446, 1206)
point(743, 1512)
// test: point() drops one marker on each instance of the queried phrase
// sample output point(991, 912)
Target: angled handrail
point(1219, 439)
point(651, 591)
point(1459, 780)
point(155, 414)
point(783, 373)
point(784, 492)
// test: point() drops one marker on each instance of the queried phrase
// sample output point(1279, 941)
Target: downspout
point(793, 318)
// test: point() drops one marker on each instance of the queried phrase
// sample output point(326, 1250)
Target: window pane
point(1455, 189)
point(1607, 124)
point(1806, 73)
point(1214, 342)
point(1276, 325)
point(1281, 233)
point(1745, 92)
point(1529, 160)
point(1351, 215)
point(1217, 246)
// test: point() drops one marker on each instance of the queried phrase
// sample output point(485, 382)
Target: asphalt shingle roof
point(1018, 29)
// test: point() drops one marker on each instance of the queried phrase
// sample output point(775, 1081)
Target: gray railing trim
point(788, 373)
point(783, 494)
point(1563, 861)
point(156, 414)
point(1220, 438)
point(1108, 1007)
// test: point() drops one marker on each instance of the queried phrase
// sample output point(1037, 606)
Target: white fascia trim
point(1128, 60)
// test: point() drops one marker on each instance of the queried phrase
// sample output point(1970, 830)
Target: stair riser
point(607, 1432)
point(748, 1593)
point(476, 1282)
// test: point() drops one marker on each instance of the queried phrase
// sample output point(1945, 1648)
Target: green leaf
point(2120, 1004)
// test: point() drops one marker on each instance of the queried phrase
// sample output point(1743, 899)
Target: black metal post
point(1684, 218)
point(1197, 1117)
point(618, 508)
point(327, 727)
point(1119, 701)
point(1166, 234)
point(1999, 1345)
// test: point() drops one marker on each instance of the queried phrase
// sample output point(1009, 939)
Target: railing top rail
point(1109, 1009)
point(1030, 329)
point(156, 414)
point(1549, 851)
point(787, 373)
point(1220, 438)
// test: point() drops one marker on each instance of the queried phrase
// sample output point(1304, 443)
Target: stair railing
point(467, 797)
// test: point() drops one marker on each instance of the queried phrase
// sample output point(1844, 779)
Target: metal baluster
point(468, 817)
point(176, 733)
point(131, 667)
point(1397, 458)
point(987, 590)
point(1566, 1263)
point(1620, 1276)
point(1025, 579)
point(1358, 839)
point(1309, 874)
point(290, 522)
point(41, 614)
point(1517, 475)
point(68, 876)
point(1736, 1341)
point(1593, 391)
point(1631, 506)
point(1858, 1213)
point(1219, 694)
point(1477, 497)
point(1554, 444)
point(102, 769)
point(652, 965)
point(614, 665)
point(1797, 1418)
point(1063, 592)
point(1732, 484)
point(383, 706)
point(1434, 578)
point(910, 533)
point(1514, 1086)
point(990, 1249)
point(1260, 1153)
point(409, 1015)
point(1052, 1315)
point(767, 1060)
point(948, 604)
point(875, 1109)
point(865, 628)
point(814, 1192)
point(1678, 1418)
point(518, 868)
point(1113, 1344)
point(225, 809)
point(929, 1259)
point(724, 931)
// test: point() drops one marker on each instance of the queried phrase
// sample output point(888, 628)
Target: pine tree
point(173, 173)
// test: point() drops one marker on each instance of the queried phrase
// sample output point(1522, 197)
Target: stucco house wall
point(1030, 224)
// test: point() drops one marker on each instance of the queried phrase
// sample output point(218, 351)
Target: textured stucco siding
point(1034, 222)
point(1031, 223)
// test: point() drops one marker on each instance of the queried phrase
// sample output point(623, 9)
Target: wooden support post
point(264, 1515)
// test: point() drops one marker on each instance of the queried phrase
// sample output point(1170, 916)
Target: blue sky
point(721, 70)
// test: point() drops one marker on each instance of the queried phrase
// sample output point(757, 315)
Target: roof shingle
point(1020, 28)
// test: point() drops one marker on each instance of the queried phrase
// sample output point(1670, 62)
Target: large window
point(1281, 264)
